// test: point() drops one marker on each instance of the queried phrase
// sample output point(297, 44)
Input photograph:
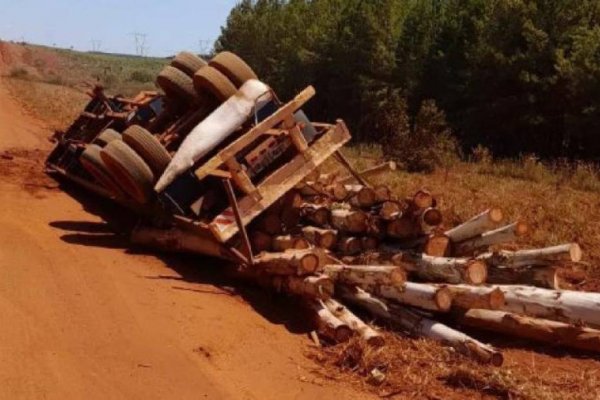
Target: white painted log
point(349, 221)
point(366, 275)
point(444, 269)
point(542, 330)
point(468, 296)
point(328, 324)
point(421, 326)
point(215, 128)
point(544, 256)
point(291, 262)
point(370, 335)
point(504, 234)
point(559, 305)
point(286, 242)
point(422, 295)
point(477, 225)
point(325, 238)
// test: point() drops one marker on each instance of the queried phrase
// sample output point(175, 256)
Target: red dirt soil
point(83, 318)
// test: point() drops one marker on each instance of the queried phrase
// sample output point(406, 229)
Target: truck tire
point(128, 170)
point(188, 62)
point(209, 79)
point(148, 147)
point(233, 67)
point(177, 84)
point(92, 162)
point(106, 136)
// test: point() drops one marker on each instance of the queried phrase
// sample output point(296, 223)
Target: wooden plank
point(255, 132)
point(281, 181)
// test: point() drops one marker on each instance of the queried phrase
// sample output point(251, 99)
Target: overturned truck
point(218, 165)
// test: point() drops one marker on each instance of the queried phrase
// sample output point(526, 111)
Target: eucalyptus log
point(290, 262)
point(430, 219)
point(290, 210)
point(286, 242)
point(421, 326)
point(370, 335)
point(349, 246)
point(325, 238)
point(349, 221)
point(468, 296)
point(443, 269)
point(423, 199)
point(366, 275)
point(436, 245)
point(401, 228)
point(422, 295)
point(542, 330)
point(382, 193)
point(316, 214)
point(390, 210)
point(328, 325)
point(270, 223)
point(337, 191)
point(368, 243)
point(477, 225)
point(545, 277)
point(361, 196)
point(544, 256)
point(560, 305)
point(504, 234)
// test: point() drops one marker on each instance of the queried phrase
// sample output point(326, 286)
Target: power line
point(140, 43)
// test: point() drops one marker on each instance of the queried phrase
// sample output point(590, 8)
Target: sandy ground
point(82, 317)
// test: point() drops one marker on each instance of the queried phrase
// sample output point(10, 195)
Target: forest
point(513, 77)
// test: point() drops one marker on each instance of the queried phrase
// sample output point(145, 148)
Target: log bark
point(315, 214)
point(466, 296)
point(361, 196)
point(390, 210)
point(328, 325)
point(423, 199)
point(504, 234)
point(544, 256)
point(286, 242)
point(337, 191)
point(476, 226)
point(349, 246)
point(401, 228)
point(437, 245)
point(260, 241)
point(349, 221)
point(382, 193)
point(421, 326)
point(545, 277)
point(325, 238)
point(366, 275)
point(370, 335)
point(443, 269)
point(422, 295)
point(560, 305)
point(291, 262)
point(555, 333)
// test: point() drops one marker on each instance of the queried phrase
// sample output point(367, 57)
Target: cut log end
point(342, 334)
point(495, 215)
point(437, 245)
point(496, 299)
point(423, 199)
point(432, 217)
point(443, 299)
point(475, 272)
point(575, 252)
point(521, 228)
point(309, 263)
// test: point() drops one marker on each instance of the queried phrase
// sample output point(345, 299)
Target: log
point(318, 287)
point(366, 275)
point(430, 219)
point(369, 243)
point(315, 214)
point(401, 228)
point(349, 221)
point(382, 193)
point(328, 325)
point(545, 277)
point(422, 326)
point(422, 295)
point(290, 210)
point(466, 296)
point(443, 269)
point(544, 256)
point(337, 191)
point(325, 238)
point(436, 245)
point(370, 335)
point(349, 246)
point(291, 262)
point(260, 241)
point(390, 210)
point(504, 234)
point(476, 226)
point(560, 305)
point(423, 199)
point(546, 331)
point(361, 196)
point(270, 223)
point(286, 242)
point(375, 227)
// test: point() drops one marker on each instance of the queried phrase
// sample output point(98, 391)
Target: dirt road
point(82, 317)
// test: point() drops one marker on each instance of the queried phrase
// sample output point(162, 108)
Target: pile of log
point(346, 247)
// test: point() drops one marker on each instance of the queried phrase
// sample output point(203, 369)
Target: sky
point(169, 25)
